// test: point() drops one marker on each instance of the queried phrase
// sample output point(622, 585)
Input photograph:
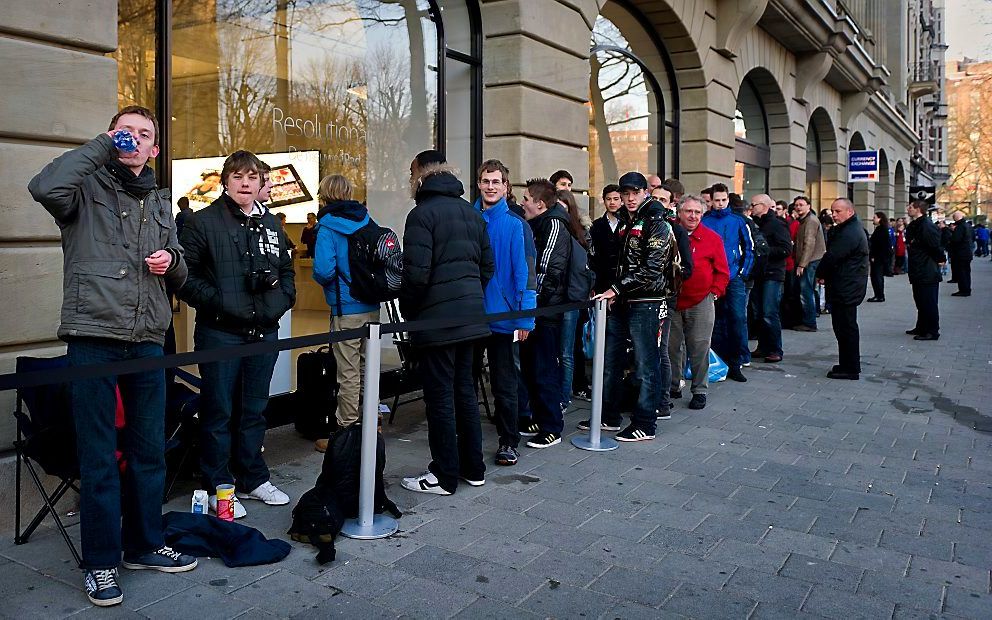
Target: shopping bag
point(589, 336)
point(717, 371)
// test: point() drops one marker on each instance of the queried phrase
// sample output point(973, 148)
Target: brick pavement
point(789, 496)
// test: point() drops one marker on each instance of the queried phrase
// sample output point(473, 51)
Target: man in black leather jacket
point(639, 311)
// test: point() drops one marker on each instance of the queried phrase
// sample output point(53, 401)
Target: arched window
point(751, 151)
point(633, 100)
point(814, 164)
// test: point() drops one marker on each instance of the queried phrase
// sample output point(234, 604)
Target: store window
point(752, 154)
point(814, 164)
point(137, 46)
point(633, 108)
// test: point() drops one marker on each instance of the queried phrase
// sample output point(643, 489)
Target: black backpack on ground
point(316, 393)
point(321, 511)
point(580, 277)
point(376, 264)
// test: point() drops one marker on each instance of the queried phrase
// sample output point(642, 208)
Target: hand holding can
point(125, 142)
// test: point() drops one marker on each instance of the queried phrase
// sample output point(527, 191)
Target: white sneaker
point(424, 483)
point(268, 493)
point(239, 510)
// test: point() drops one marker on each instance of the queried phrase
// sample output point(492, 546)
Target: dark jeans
point(664, 363)
point(102, 531)
point(769, 323)
point(844, 318)
point(927, 314)
point(961, 268)
point(807, 294)
point(748, 314)
point(878, 269)
point(233, 397)
point(504, 362)
point(730, 328)
point(541, 369)
point(569, 325)
point(637, 323)
point(454, 430)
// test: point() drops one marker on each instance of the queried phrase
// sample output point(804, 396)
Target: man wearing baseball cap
point(638, 310)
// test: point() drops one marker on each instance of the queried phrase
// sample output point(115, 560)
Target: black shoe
point(803, 328)
point(960, 294)
point(632, 433)
point(507, 456)
point(603, 426)
point(544, 440)
point(876, 299)
point(952, 281)
point(913, 332)
point(927, 337)
point(165, 560)
point(758, 353)
point(528, 427)
point(665, 413)
point(585, 395)
point(735, 374)
point(851, 376)
point(698, 401)
point(102, 588)
point(675, 394)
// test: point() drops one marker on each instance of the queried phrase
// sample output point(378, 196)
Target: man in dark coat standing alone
point(447, 262)
point(960, 250)
point(925, 260)
point(844, 269)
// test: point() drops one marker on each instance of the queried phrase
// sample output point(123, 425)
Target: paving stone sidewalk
point(789, 496)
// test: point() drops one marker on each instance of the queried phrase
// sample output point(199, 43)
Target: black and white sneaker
point(544, 440)
point(632, 433)
point(603, 426)
point(665, 413)
point(165, 560)
point(507, 456)
point(102, 588)
point(472, 482)
point(424, 483)
point(582, 395)
point(528, 427)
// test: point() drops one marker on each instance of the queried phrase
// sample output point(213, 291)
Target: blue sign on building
point(862, 166)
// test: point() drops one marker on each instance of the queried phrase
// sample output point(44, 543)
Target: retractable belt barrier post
point(596, 442)
point(369, 525)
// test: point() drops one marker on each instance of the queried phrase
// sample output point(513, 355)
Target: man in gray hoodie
point(120, 258)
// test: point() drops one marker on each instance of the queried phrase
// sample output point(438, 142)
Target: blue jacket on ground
point(331, 269)
point(737, 241)
point(514, 287)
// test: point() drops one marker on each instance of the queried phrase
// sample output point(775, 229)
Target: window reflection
point(135, 55)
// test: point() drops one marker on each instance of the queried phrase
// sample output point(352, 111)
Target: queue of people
point(676, 270)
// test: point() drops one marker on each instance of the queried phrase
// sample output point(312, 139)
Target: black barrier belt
point(15, 380)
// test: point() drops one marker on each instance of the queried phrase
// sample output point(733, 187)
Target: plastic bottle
point(199, 506)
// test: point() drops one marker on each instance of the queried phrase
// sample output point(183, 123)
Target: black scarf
point(136, 185)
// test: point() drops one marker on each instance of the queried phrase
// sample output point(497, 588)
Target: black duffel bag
point(316, 393)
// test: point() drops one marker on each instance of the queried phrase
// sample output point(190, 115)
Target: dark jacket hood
point(344, 216)
point(436, 179)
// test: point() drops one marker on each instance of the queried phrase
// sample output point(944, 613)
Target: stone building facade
point(768, 94)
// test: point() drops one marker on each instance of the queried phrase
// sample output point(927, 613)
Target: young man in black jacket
point(447, 262)
point(638, 310)
point(241, 281)
point(540, 353)
point(604, 252)
point(844, 270)
point(925, 260)
point(768, 284)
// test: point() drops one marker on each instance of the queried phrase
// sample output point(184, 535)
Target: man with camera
point(240, 282)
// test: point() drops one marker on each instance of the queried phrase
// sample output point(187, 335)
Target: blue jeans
point(233, 397)
point(540, 367)
point(103, 532)
point(569, 323)
point(770, 325)
point(807, 294)
point(730, 327)
point(637, 323)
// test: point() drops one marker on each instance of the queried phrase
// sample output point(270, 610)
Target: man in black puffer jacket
point(844, 270)
point(241, 281)
point(447, 262)
point(769, 281)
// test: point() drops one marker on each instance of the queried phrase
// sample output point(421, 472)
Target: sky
point(969, 29)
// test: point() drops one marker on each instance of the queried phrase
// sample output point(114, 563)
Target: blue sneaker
point(165, 560)
point(102, 588)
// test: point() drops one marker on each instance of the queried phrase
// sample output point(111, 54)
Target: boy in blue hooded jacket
point(338, 218)
point(512, 288)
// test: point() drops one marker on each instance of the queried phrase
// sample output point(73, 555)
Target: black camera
point(262, 280)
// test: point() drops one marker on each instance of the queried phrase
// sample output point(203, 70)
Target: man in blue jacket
point(730, 329)
point(512, 288)
point(340, 217)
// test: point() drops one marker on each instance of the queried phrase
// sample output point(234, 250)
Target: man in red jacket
point(692, 321)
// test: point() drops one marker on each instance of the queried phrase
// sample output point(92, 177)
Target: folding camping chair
point(182, 406)
point(46, 436)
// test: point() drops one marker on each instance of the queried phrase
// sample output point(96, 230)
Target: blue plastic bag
point(589, 336)
point(717, 371)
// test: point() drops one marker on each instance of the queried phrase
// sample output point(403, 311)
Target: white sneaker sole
point(110, 602)
point(531, 444)
point(264, 501)
point(161, 569)
point(472, 483)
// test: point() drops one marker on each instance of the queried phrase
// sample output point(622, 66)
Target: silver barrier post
point(596, 442)
point(369, 525)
